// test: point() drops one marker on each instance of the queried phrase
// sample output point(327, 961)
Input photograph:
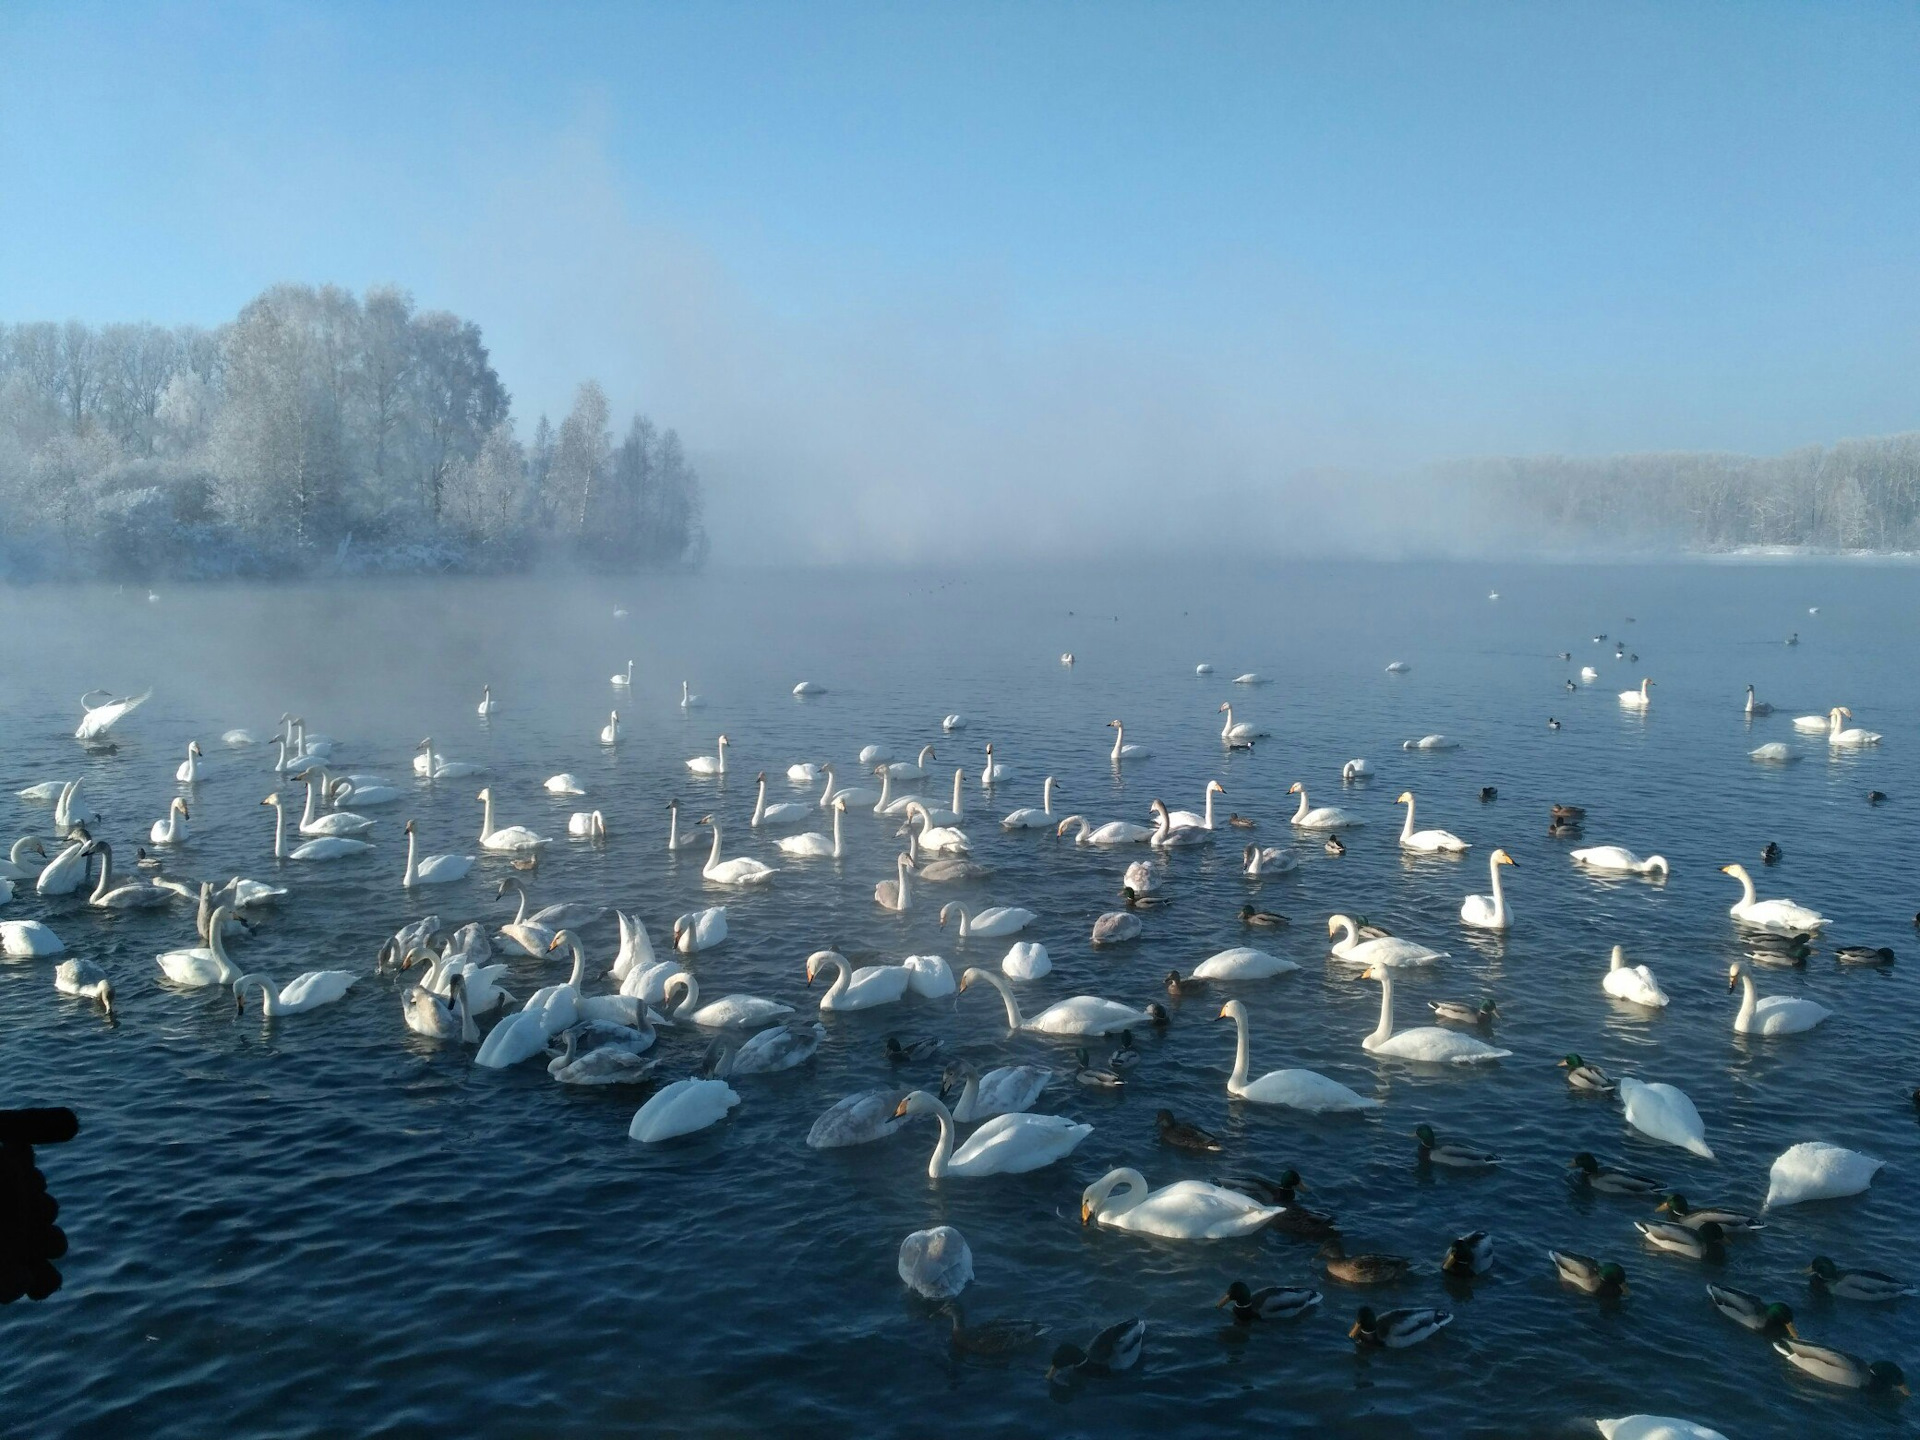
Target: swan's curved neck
point(760, 803)
point(306, 817)
point(837, 812)
point(279, 832)
point(1046, 798)
point(1128, 1190)
point(1227, 728)
point(106, 871)
point(969, 1095)
point(520, 911)
point(216, 940)
point(1014, 1019)
point(691, 988)
point(957, 803)
point(486, 812)
point(1618, 960)
point(469, 1032)
point(1747, 1002)
point(1209, 807)
point(1351, 931)
point(579, 975)
point(826, 789)
point(413, 868)
point(1301, 813)
point(673, 827)
point(903, 868)
point(433, 761)
point(842, 977)
point(1119, 734)
point(1406, 830)
point(713, 855)
point(1384, 1032)
point(721, 747)
point(1241, 1058)
point(1499, 894)
point(269, 999)
point(1747, 893)
point(943, 1148)
point(886, 790)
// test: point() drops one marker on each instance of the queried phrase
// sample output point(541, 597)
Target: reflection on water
point(324, 1224)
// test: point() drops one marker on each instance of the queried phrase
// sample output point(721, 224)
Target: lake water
point(324, 1225)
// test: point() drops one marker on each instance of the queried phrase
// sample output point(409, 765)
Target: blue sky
point(1106, 244)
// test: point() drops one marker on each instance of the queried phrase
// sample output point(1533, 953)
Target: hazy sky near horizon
point(901, 272)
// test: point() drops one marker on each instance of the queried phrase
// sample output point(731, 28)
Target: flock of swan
point(450, 980)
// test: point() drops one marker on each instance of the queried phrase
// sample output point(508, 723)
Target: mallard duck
point(1864, 955)
point(1751, 1312)
point(1093, 1078)
point(1455, 1154)
point(1397, 1329)
point(1696, 1243)
point(1461, 1012)
point(1183, 1136)
point(1268, 920)
point(1124, 1055)
point(1362, 1269)
point(1114, 1349)
point(1693, 1217)
point(1179, 985)
point(1335, 845)
point(1589, 1078)
point(1854, 1284)
point(1259, 1187)
point(1242, 822)
point(1770, 855)
point(1596, 1277)
point(1836, 1367)
point(1136, 901)
point(1275, 1302)
point(1568, 814)
point(992, 1339)
point(1610, 1181)
point(1488, 794)
point(1875, 797)
point(1563, 829)
point(900, 1052)
point(1469, 1255)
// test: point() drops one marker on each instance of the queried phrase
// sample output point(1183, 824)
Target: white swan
point(1428, 1043)
point(1775, 1015)
point(1632, 983)
point(860, 989)
point(66, 812)
point(24, 939)
point(188, 770)
point(1326, 817)
point(1184, 1210)
point(1080, 1015)
point(587, 825)
point(16, 866)
point(1168, 836)
point(938, 839)
point(357, 790)
point(1258, 860)
point(1813, 724)
point(809, 687)
point(1780, 916)
point(1443, 842)
point(1654, 1427)
point(102, 718)
point(1250, 678)
point(336, 822)
point(958, 812)
point(239, 739)
point(682, 1108)
point(786, 812)
point(910, 770)
point(1242, 962)
point(930, 977)
point(813, 844)
point(675, 840)
point(951, 723)
point(689, 700)
point(1203, 818)
point(1815, 1170)
point(1122, 750)
point(610, 732)
point(432, 765)
point(1026, 960)
point(803, 773)
point(1849, 738)
point(1775, 751)
point(1618, 860)
point(896, 894)
point(1636, 699)
point(887, 803)
point(487, 704)
point(872, 755)
point(1663, 1112)
point(64, 874)
point(173, 829)
point(308, 991)
point(1489, 912)
point(989, 924)
point(624, 679)
point(84, 980)
point(855, 796)
point(134, 895)
point(1008, 1090)
point(509, 837)
point(432, 869)
point(1005, 1145)
point(325, 847)
point(1028, 818)
point(1243, 731)
point(1356, 770)
point(755, 1010)
point(740, 871)
point(202, 965)
point(992, 772)
point(711, 764)
point(1430, 742)
point(1297, 1089)
point(1114, 832)
point(700, 930)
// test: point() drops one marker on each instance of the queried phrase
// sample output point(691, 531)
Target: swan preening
point(1184, 1210)
point(1634, 983)
point(101, 718)
point(1662, 1112)
point(1844, 738)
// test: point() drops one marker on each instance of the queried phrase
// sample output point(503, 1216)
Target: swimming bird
point(1870, 1285)
point(857, 1119)
point(1324, 817)
point(1274, 1302)
point(1774, 1015)
point(1184, 1210)
point(1603, 1278)
point(1618, 860)
point(1750, 1312)
point(1610, 1180)
point(85, 980)
point(1426, 1043)
point(1008, 1090)
point(1113, 1350)
point(1632, 983)
point(1397, 1329)
point(1263, 919)
point(1469, 1255)
point(1183, 1136)
point(1371, 1269)
point(1693, 1216)
point(1707, 1241)
point(1122, 750)
point(1489, 912)
point(1453, 1154)
point(1357, 947)
point(1757, 707)
point(1584, 1077)
point(683, 1108)
point(307, 991)
point(1297, 1089)
point(1664, 1113)
point(1458, 1012)
point(1775, 915)
point(1837, 1367)
point(1430, 842)
point(1004, 1145)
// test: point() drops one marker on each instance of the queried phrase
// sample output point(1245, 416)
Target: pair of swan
point(1028, 818)
point(1297, 1089)
point(1325, 817)
point(334, 822)
point(1637, 699)
point(1774, 1015)
point(432, 869)
point(173, 829)
point(325, 847)
point(202, 965)
point(1489, 912)
point(989, 923)
point(1851, 737)
point(1428, 842)
point(1348, 944)
point(1241, 732)
point(1779, 916)
point(1618, 860)
point(1427, 1043)
point(1122, 750)
point(711, 764)
point(1007, 1144)
point(1080, 1015)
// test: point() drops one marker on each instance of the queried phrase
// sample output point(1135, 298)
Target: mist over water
point(323, 1223)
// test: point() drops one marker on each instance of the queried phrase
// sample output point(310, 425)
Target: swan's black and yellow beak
point(1086, 1213)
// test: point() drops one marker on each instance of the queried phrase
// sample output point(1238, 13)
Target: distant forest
point(319, 431)
point(1856, 495)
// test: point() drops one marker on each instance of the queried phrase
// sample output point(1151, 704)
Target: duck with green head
point(1750, 1312)
point(1596, 1277)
